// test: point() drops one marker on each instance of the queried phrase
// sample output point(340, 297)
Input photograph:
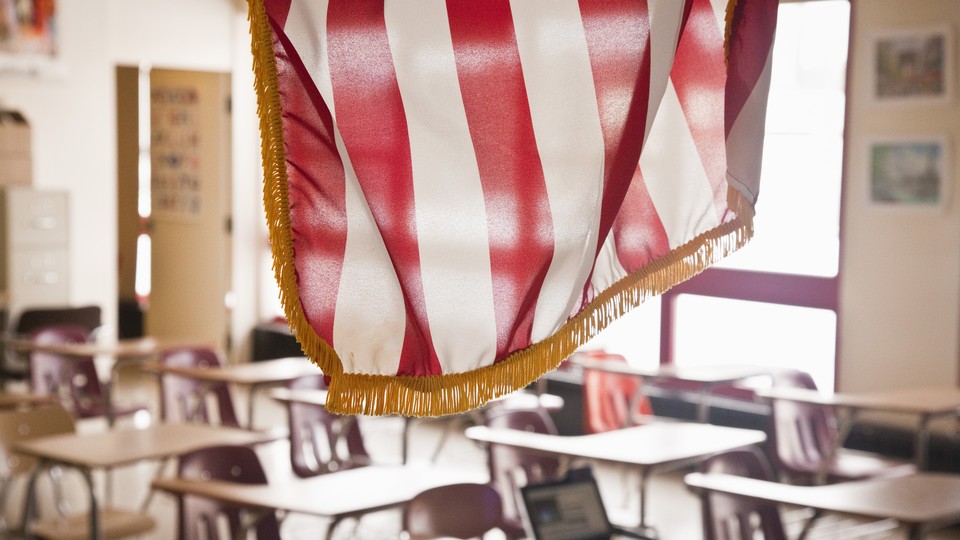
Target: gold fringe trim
point(276, 202)
point(357, 393)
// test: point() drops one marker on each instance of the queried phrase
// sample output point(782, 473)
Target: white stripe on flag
point(558, 77)
point(607, 269)
point(675, 176)
point(370, 318)
point(447, 189)
point(665, 19)
point(745, 141)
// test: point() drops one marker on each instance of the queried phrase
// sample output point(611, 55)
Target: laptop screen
point(569, 509)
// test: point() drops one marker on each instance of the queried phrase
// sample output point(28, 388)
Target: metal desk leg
point(96, 533)
point(922, 444)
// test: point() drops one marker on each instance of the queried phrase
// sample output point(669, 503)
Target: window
point(774, 302)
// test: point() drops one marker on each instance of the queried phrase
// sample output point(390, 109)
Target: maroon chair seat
point(184, 399)
point(727, 517)
point(804, 435)
point(72, 379)
point(231, 463)
point(511, 468)
point(453, 511)
point(322, 442)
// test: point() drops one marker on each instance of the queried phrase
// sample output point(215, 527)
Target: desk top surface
point(919, 400)
point(124, 348)
point(713, 374)
point(648, 445)
point(13, 400)
point(516, 400)
point(917, 498)
point(124, 446)
point(267, 371)
point(334, 494)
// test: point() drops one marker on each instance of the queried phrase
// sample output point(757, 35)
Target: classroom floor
point(672, 509)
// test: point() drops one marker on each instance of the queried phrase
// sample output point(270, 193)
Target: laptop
point(569, 509)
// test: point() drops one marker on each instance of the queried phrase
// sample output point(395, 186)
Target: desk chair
point(17, 426)
point(453, 511)
point(73, 380)
point(804, 435)
point(726, 517)
point(183, 399)
point(322, 442)
point(612, 400)
point(511, 468)
point(15, 365)
point(198, 516)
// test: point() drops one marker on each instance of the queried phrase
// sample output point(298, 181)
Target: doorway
point(174, 212)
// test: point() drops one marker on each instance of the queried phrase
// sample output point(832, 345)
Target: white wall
point(900, 307)
point(72, 113)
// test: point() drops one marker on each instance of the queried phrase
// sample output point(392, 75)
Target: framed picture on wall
point(909, 172)
point(912, 65)
point(28, 37)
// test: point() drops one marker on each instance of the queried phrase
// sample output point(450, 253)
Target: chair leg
point(809, 524)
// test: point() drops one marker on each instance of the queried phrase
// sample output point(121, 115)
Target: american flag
point(461, 192)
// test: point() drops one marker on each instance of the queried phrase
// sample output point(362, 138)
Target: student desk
point(709, 377)
point(922, 501)
point(119, 352)
point(517, 400)
point(114, 448)
point(925, 403)
point(337, 495)
point(253, 375)
point(647, 447)
point(18, 400)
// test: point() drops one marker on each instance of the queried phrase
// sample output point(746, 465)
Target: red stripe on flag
point(277, 11)
point(315, 188)
point(698, 77)
point(751, 38)
point(515, 195)
point(618, 41)
point(373, 126)
point(638, 231)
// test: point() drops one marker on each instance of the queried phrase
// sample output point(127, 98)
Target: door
point(189, 222)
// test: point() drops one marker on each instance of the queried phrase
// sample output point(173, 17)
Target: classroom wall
point(900, 265)
point(72, 109)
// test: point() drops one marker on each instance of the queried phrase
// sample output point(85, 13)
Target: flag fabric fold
point(460, 193)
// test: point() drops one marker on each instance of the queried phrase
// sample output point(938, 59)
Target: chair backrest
point(453, 511)
point(198, 517)
point(608, 397)
point(184, 399)
point(32, 319)
point(511, 468)
point(803, 433)
point(321, 442)
point(20, 425)
point(73, 379)
point(727, 517)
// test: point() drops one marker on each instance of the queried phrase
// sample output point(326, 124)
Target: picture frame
point(29, 42)
point(909, 172)
point(912, 66)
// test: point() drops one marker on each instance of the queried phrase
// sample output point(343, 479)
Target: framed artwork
point(28, 37)
point(912, 65)
point(909, 172)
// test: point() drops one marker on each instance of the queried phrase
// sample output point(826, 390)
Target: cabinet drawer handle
point(44, 222)
point(42, 278)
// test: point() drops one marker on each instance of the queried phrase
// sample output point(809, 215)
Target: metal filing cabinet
point(34, 249)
